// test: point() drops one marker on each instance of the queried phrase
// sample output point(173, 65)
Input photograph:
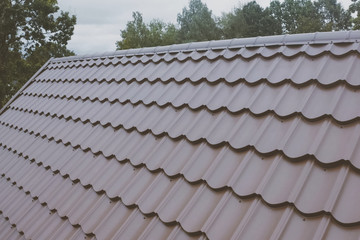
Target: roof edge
point(16, 95)
point(287, 39)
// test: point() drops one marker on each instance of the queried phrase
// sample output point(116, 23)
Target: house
point(254, 138)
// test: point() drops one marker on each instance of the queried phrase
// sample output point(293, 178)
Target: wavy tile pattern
point(285, 100)
point(276, 70)
point(193, 141)
point(267, 172)
point(212, 129)
point(7, 231)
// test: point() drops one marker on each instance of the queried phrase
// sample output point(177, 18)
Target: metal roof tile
point(28, 207)
point(198, 120)
point(338, 232)
point(301, 228)
point(199, 140)
point(132, 228)
point(7, 231)
point(263, 216)
point(282, 64)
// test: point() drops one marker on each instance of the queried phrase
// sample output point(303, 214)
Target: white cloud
point(90, 38)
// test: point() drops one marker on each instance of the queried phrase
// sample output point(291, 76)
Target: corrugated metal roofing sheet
point(235, 139)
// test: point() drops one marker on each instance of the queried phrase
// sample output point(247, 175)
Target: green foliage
point(249, 21)
point(135, 34)
point(232, 24)
point(30, 33)
point(300, 16)
point(170, 34)
point(333, 16)
point(259, 22)
point(138, 34)
point(355, 9)
point(197, 23)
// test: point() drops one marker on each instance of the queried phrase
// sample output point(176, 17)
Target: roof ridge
point(286, 39)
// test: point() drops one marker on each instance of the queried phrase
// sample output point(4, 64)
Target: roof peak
point(287, 39)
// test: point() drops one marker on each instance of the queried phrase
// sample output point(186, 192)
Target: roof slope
point(247, 138)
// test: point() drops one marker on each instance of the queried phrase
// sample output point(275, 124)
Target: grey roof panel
point(311, 50)
point(199, 140)
point(298, 70)
point(27, 208)
point(7, 231)
point(193, 126)
point(102, 175)
point(190, 165)
point(284, 100)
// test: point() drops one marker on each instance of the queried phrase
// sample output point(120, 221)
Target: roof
point(237, 139)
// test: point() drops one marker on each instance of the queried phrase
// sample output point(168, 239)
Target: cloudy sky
point(99, 22)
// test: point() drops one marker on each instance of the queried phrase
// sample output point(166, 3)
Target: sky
point(99, 22)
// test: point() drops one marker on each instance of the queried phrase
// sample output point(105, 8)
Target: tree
point(139, 34)
point(300, 16)
point(233, 24)
point(249, 21)
point(334, 17)
point(161, 33)
point(31, 31)
point(260, 22)
point(355, 9)
point(135, 34)
point(197, 23)
point(170, 34)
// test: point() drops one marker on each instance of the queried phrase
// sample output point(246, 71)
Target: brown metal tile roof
point(252, 138)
